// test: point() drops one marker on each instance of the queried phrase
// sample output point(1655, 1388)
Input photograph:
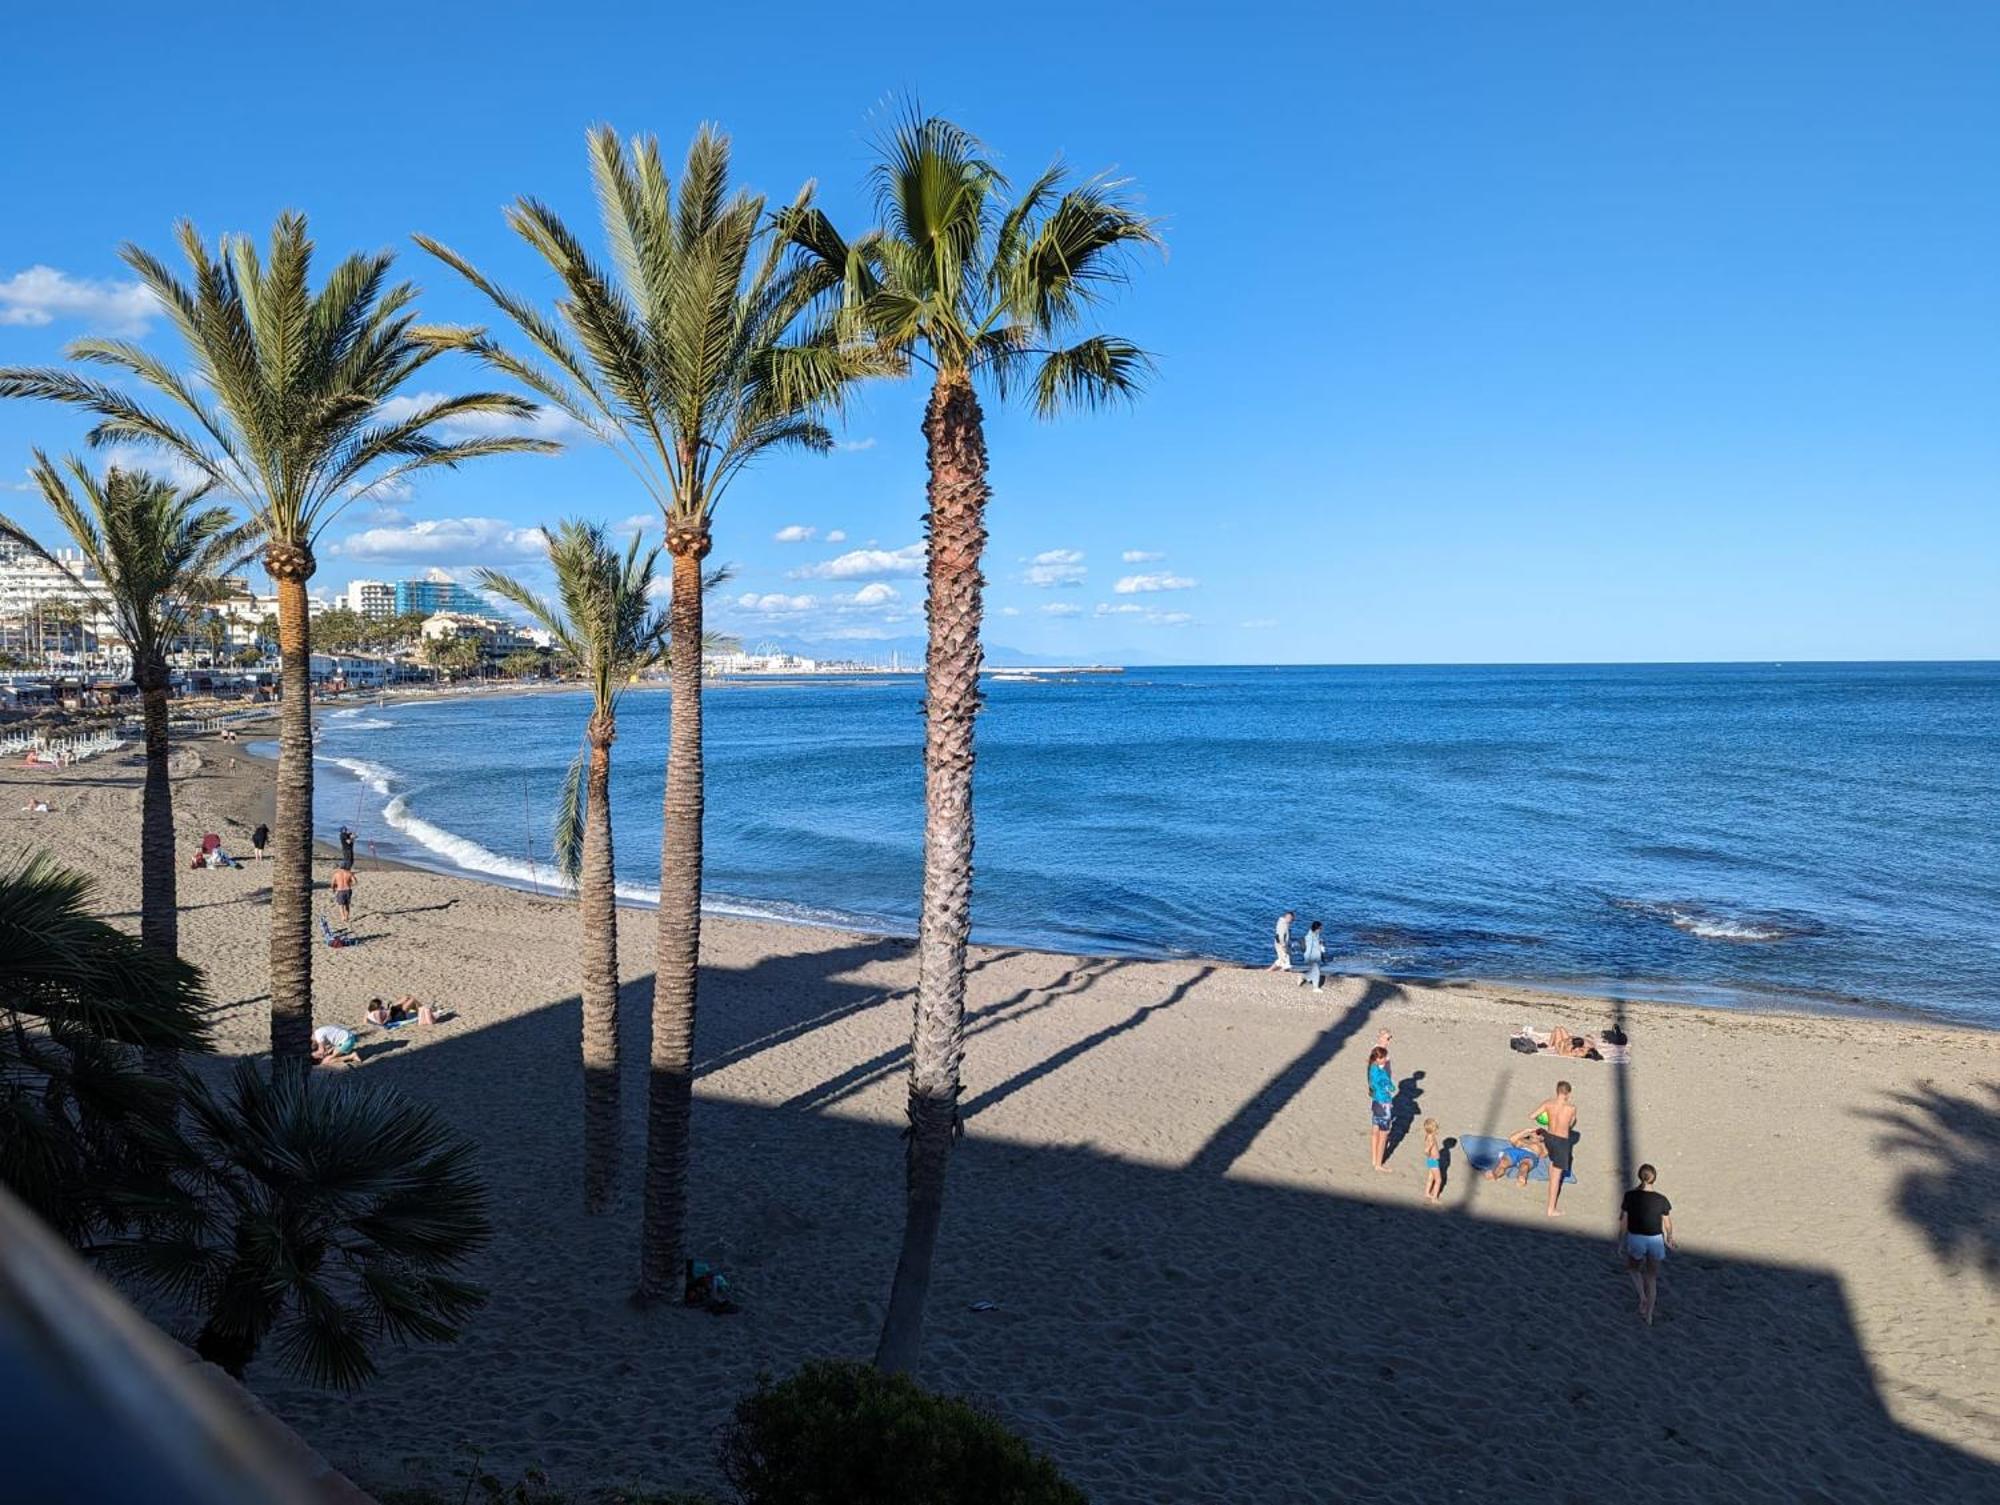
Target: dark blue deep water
point(1818, 833)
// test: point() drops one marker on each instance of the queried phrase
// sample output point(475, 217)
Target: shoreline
point(1659, 993)
point(1166, 1259)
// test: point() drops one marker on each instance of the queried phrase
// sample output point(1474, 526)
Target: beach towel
point(333, 939)
point(1614, 1055)
point(1482, 1152)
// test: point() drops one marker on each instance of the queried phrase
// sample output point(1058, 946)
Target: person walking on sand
point(343, 894)
point(1645, 1234)
point(1314, 952)
point(1557, 1117)
point(258, 838)
point(1433, 1162)
point(1281, 937)
point(1381, 1093)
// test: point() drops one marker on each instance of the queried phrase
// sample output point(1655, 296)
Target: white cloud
point(41, 295)
point(1134, 585)
point(795, 533)
point(1150, 615)
point(1141, 556)
point(775, 604)
point(638, 522)
point(1010, 611)
point(455, 538)
point(880, 593)
point(162, 463)
point(1062, 609)
point(1055, 567)
point(1258, 623)
point(856, 446)
point(838, 535)
point(544, 423)
point(866, 564)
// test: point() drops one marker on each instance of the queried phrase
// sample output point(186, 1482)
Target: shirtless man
point(1558, 1115)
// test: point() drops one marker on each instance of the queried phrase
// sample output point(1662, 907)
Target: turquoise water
point(1820, 833)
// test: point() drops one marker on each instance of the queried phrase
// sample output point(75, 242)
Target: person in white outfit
point(1282, 939)
point(1314, 951)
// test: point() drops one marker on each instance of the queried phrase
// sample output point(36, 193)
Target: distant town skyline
point(1558, 336)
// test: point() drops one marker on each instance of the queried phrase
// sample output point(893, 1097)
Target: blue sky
point(1522, 333)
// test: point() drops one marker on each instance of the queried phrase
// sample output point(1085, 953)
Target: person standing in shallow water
point(1281, 937)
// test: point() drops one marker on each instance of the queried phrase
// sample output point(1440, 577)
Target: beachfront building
point(350, 670)
point(426, 598)
point(371, 600)
point(495, 635)
point(51, 609)
point(739, 662)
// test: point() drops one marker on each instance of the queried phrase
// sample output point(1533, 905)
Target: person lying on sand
point(404, 1010)
point(1524, 1149)
point(332, 1044)
point(1581, 1047)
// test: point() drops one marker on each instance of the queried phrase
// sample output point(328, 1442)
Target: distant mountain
point(881, 650)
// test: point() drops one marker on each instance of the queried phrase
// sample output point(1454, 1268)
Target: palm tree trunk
point(677, 957)
point(159, 914)
point(597, 903)
point(292, 836)
point(955, 437)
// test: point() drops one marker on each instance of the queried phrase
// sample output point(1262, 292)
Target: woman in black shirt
point(1645, 1234)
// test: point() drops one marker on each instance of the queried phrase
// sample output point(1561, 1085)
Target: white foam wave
point(1712, 928)
point(373, 775)
point(463, 852)
point(1711, 925)
point(372, 724)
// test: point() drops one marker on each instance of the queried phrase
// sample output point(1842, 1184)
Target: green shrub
point(844, 1434)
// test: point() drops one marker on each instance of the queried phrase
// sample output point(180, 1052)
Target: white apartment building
point(374, 600)
point(29, 585)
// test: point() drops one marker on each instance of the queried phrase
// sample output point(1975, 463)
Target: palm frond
point(571, 805)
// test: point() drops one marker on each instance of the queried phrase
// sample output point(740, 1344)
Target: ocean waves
point(463, 852)
point(1669, 832)
point(1707, 923)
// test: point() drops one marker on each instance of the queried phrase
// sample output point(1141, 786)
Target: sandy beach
point(1199, 1288)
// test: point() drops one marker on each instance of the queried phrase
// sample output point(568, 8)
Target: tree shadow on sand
point(1949, 1148)
point(1168, 1332)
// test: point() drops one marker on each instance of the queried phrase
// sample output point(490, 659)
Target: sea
point(1800, 835)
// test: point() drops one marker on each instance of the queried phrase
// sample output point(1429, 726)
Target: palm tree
point(975, 290)
point(161, 554)
point(76, 996)
point(603, 618)
point(320, 1216)
point(284, 411)
point(691, 359)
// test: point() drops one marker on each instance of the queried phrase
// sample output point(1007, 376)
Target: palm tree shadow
point(1950, 1186)
point(1088, 1043)
point(1232, 1141)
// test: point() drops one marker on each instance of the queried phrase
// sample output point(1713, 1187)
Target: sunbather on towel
point(1525, 1150)
point(404, 1010)
point(1581, 1047)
